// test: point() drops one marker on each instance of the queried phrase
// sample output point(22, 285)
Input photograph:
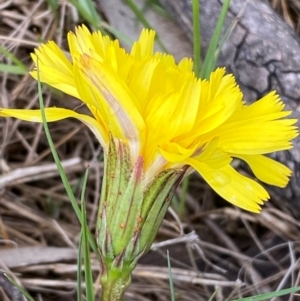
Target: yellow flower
point(166, 115)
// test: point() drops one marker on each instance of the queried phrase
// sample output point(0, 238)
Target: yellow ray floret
point(166, 115)
point(56, 114)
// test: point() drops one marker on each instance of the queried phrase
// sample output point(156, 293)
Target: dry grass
point(213, 247)
point(289, 10)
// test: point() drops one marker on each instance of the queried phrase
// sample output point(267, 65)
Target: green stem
point(114, 290)
point(196, 37)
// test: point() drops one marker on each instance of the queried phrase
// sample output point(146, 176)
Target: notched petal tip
point(145, 45)
point(268, 170)
point(237, 189)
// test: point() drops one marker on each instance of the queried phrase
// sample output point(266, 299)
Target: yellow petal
point(101, 87)
point(80, 42)
point(162, 109)
point(174, 153)
point(144, 46)
point(268, 170)
point(208, 153)
point(270, 107)
point(54, 68)
point(220, 98)
point(55, 114)
point(250, 137)
point(232, 186)
point(143, 80)
point(186, 64)
point(258, 128)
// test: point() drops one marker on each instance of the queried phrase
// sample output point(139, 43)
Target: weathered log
point(263, 52)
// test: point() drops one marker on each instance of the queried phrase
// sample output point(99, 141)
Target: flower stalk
point(129, 215)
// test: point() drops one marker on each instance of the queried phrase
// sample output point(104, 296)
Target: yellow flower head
point(166, 115)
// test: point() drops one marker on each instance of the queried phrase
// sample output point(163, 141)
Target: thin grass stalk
point(210, 60)
point(196, 37)
point(59, 166)
point(90, 296)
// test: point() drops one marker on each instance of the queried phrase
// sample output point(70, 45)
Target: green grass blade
point(13, 58)
point(156, 6)
point(12, 69)
point(140, 16)
point(59, 166)
point(269, 296)
point(86, 248)
point(226, 35)
point(213, 295)
point(21, 289)
point(17, 66)
point(87, 10)
point(79, 270)
point(196, 37)
point(138, 13)
point(211, 56)
point(170, 278)
point(53, 4)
